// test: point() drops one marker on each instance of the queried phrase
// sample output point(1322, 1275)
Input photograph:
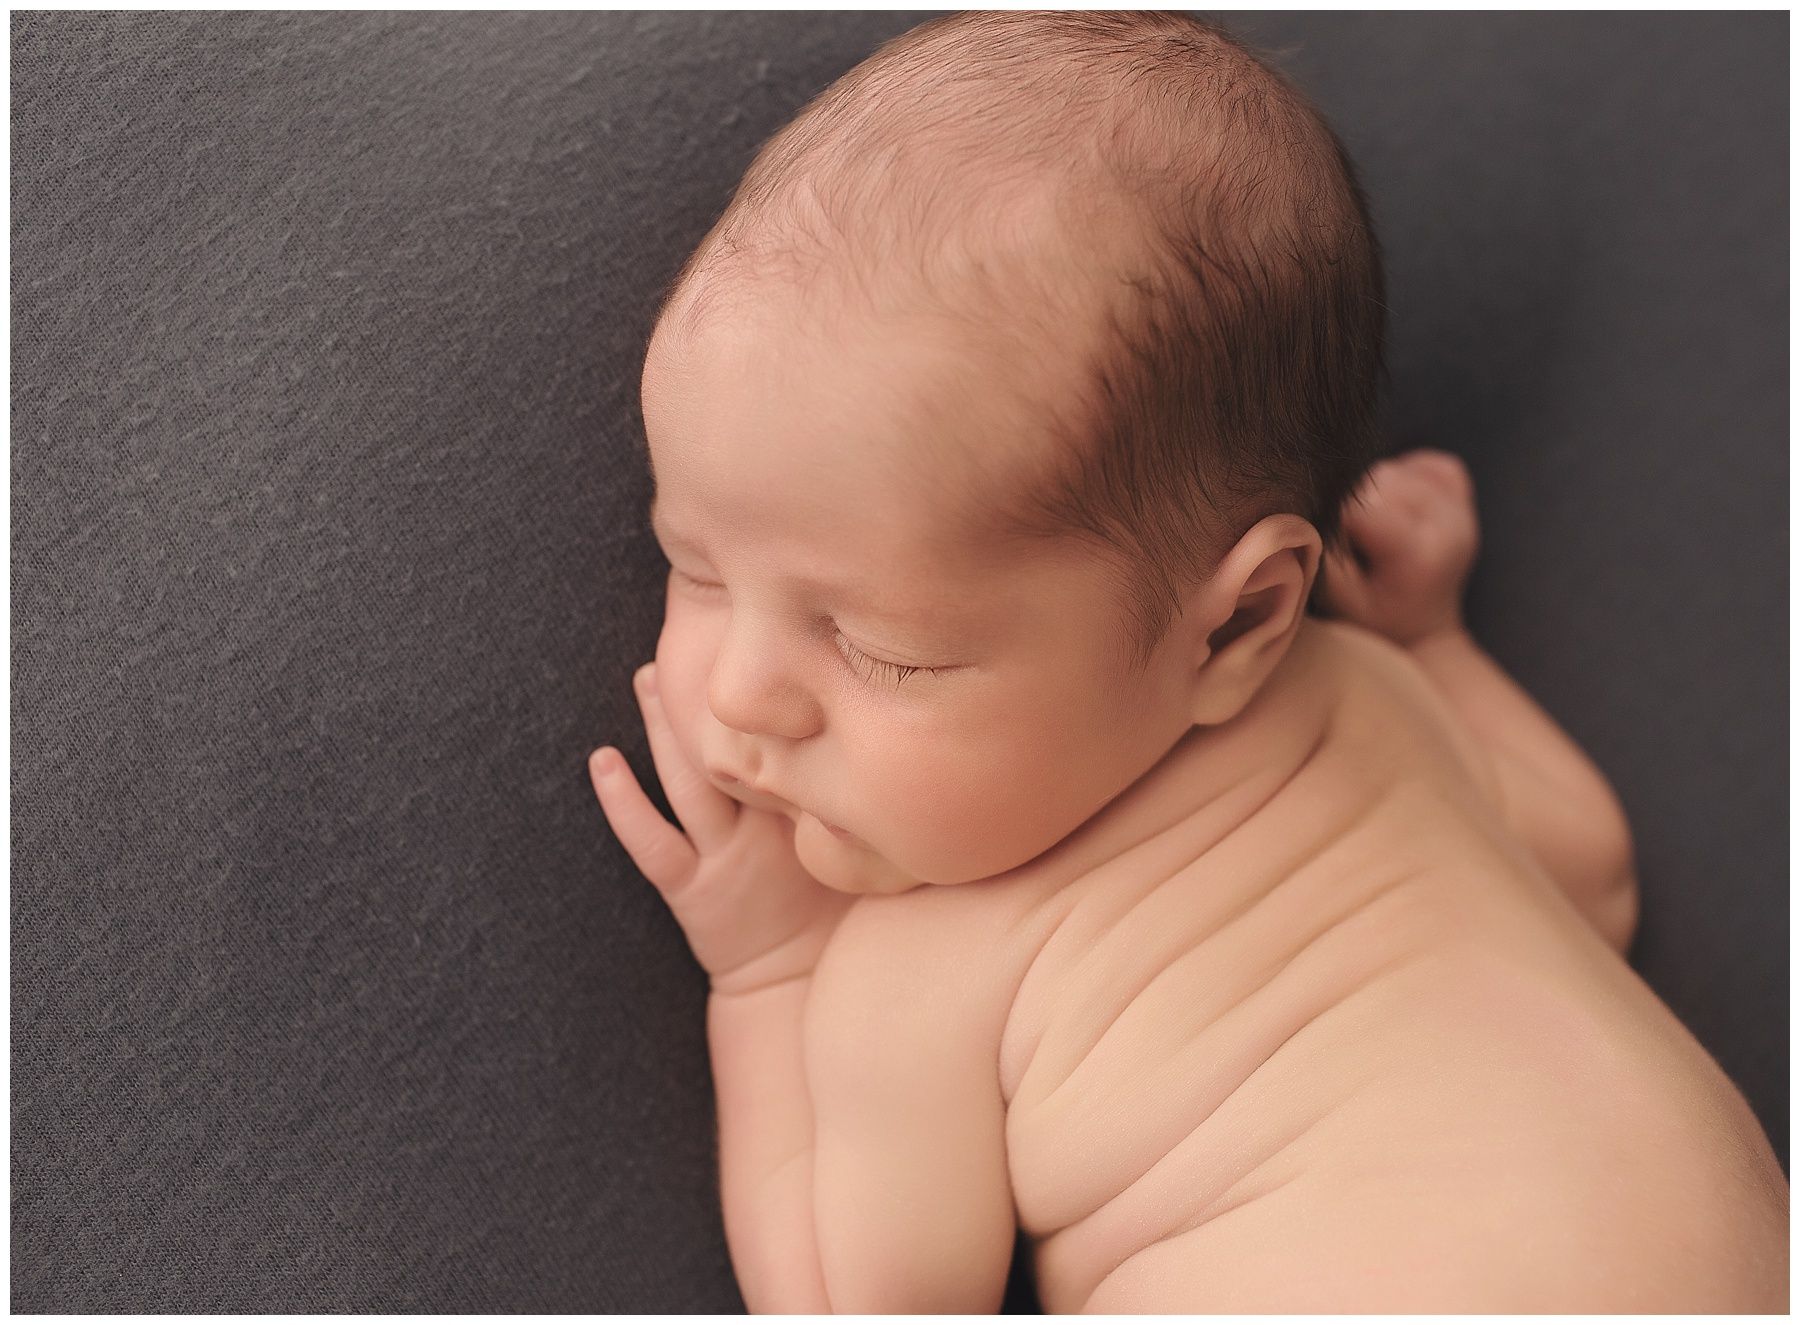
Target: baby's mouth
point(763, 800)
point(758, 800)
point(835, 831)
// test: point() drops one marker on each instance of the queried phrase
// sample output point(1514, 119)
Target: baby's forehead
point(964, 423)
point(954, 400)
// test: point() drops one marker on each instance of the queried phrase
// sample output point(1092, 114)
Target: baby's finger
point(666, 857)
point(706, 812)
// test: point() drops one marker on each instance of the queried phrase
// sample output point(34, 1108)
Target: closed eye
point(897, 671)
point(864, 663)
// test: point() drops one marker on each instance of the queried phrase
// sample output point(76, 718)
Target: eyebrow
point(859, 602)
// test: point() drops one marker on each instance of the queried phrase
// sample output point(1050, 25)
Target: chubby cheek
point(962, 809)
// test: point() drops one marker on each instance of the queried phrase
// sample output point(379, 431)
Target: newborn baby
point(1054, 870)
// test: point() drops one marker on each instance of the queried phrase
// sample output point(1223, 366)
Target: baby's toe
point(1446, 467)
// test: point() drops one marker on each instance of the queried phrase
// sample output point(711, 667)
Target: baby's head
point(1041, 349)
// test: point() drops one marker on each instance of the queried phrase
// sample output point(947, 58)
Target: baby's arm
point(855, 1046)
point(766, 1146)
point(861, 1127)
point(1413, 528)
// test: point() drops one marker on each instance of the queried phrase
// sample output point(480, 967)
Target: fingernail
point(607, 762)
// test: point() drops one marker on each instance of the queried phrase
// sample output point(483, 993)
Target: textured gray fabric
point(331, 989)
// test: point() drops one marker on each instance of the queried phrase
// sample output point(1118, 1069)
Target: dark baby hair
point(1138, 188)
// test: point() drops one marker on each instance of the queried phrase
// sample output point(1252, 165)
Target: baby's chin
point(846, 865)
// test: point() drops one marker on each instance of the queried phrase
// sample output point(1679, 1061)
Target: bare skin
point(1335, 1040)
point(1402, 1075)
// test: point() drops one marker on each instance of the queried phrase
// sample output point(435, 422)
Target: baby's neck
point(1214, 778)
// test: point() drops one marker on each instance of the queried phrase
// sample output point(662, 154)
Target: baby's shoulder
point(1387, 697)
point(946, 957)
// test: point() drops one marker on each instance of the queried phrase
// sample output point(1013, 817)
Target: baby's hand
point(752, 914)
point(1412, 526)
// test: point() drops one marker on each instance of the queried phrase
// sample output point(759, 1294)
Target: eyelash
point(850, 653)
point(896, 670)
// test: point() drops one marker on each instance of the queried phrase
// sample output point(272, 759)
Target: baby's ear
point(1246, 615)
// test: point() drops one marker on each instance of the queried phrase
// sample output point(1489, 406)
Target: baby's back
point(1356, 1048)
